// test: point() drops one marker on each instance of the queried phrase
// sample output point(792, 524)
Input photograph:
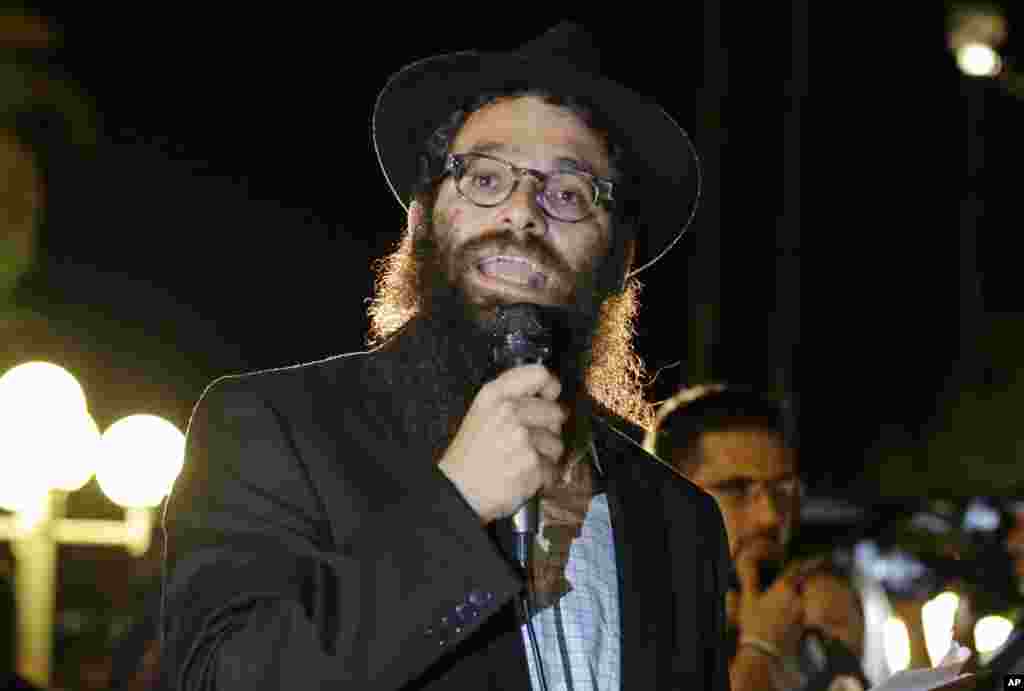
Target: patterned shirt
point(581, 633)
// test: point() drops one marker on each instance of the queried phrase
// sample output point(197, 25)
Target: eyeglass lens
point(488, 182)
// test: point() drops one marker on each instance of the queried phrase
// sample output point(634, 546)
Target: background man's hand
point(776, 615)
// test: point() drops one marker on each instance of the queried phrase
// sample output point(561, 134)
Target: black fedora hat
point(664, 178)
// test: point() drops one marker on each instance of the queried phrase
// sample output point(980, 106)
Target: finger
point(416, 216)
point(526, 380)
point(749, 575)
point(537, 412)
point(548, 445)
point(552, 389)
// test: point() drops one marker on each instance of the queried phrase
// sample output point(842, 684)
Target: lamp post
point(974, 36)
point(50, 446)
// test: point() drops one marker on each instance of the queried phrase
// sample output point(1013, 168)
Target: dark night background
point(227, 214)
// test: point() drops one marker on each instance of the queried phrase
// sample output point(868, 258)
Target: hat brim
point(664, 173)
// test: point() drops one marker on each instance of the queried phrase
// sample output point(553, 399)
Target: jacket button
point(480, 597)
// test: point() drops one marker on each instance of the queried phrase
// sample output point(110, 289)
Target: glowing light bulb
point(978, 60)
point(47, 438)
point(141, 455)
point(991, 632)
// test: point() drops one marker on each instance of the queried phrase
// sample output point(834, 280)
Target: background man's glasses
point(565, 196)
point(782, 492)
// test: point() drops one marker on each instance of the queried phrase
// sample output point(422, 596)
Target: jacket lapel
point(494, 658)
point(645, 606)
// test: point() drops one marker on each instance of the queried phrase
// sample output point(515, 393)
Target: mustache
point(504, 241)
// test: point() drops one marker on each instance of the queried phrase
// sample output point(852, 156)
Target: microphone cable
point(521, 550)
point(526, 610)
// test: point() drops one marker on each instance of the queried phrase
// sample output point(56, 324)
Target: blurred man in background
point(736, 445)
point(833, 610)
point(740, 446)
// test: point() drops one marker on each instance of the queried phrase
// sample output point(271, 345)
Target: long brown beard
point(614, 375)
point(442, 353)
point(446, 356)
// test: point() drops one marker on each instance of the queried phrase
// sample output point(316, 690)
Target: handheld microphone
point(522, 336)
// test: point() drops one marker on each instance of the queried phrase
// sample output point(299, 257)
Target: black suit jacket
point(309, 546)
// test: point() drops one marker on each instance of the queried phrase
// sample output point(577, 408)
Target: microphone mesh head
point(522, 335)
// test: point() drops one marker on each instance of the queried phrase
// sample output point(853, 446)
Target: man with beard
point(345, 523)
point(738, 445)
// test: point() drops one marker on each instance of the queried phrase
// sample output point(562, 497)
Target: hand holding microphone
point(509, 443)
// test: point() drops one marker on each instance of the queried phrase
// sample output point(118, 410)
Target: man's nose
point(766, 511)
point(522, 213)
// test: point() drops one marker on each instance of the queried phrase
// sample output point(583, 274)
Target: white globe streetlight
point(978, 60)
point(141, 455)
point(48, 440)
point(41, 386)
point(75, 468)
point(974, 36)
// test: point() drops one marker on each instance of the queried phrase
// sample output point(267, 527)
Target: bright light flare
point(897, 644)
point(48, 440)
point(141, 455)
point(40, 386)
point(73, 468)
point(991, 632)
point(974, 35)
point(938, 616)
point(978, 60)
point(42, 453)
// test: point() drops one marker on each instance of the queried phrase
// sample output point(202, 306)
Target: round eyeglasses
point(744, 491)
point(565, 196)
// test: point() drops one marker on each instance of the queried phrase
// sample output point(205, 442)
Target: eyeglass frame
point(455, 166)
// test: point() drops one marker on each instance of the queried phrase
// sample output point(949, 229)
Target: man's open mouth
point(512, 269)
